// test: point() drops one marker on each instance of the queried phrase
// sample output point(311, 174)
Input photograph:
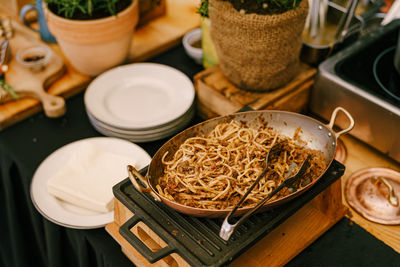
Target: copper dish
point(317, 136)
point(374, 193)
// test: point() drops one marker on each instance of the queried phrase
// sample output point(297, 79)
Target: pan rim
point(217, 213)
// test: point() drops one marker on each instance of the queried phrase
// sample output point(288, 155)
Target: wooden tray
point(216, 96)
point(152, 38)
point(165, 32)
point(275, 249)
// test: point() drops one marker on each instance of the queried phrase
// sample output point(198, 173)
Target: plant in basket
point(94, 35)
point(258, 42)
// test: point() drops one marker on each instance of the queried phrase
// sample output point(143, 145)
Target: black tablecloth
point(28, 239)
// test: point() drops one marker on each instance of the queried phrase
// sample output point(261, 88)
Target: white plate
point(141, 138)
point(166, 127)
point(139, 96)
point(179, 123)
point(68, 215)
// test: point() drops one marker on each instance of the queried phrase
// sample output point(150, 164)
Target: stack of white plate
point(140, 102)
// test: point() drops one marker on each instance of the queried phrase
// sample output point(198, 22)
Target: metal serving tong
point(228, 228)
point(346, 19)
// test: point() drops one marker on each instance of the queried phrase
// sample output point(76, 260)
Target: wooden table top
point(361, 156)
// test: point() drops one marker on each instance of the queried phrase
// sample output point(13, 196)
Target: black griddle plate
point(197, 239)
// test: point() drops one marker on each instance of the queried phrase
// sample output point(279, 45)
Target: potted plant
point(258, 42)
point(94, 35)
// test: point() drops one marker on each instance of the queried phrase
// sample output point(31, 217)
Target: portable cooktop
point(362, 79)
point(197, 240)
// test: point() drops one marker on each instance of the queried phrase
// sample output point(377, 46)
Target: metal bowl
point(316, 50)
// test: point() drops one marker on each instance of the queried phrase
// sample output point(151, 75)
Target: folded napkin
point(88, 176)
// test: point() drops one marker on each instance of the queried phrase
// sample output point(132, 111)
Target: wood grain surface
point(165, 32)
point(361, 156)
point(314, 218)
point(58, 79)
point(152, 38)
point(30, 83)
point(216, 96)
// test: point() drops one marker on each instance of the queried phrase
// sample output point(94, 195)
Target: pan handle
point(392, 198)
point(333, 118)
point(133, 174)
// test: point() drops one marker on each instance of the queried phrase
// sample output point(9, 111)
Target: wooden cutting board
point(29, 83)
point(49, 86)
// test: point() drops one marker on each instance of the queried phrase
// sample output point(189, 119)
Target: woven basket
point(257, 52)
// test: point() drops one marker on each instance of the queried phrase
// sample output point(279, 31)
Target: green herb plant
point(203, 9)
point(85, 8)
point(8, 89)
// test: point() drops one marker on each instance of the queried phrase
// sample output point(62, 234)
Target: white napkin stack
point(87, 178)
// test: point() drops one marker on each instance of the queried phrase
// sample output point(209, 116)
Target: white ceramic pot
point(93, 46)
point(189, 39)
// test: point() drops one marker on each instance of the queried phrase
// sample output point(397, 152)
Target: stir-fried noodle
point(214, 171)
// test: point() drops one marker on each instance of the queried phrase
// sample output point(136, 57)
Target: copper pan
point(317, 135)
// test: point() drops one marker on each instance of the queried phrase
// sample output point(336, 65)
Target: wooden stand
point(216, 96)
point(275, 249)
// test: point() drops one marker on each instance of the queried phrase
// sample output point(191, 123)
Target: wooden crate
point(217, 96)
point(275, 249)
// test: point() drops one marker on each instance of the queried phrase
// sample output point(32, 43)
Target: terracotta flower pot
point(257, 52)
point(93, 46)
